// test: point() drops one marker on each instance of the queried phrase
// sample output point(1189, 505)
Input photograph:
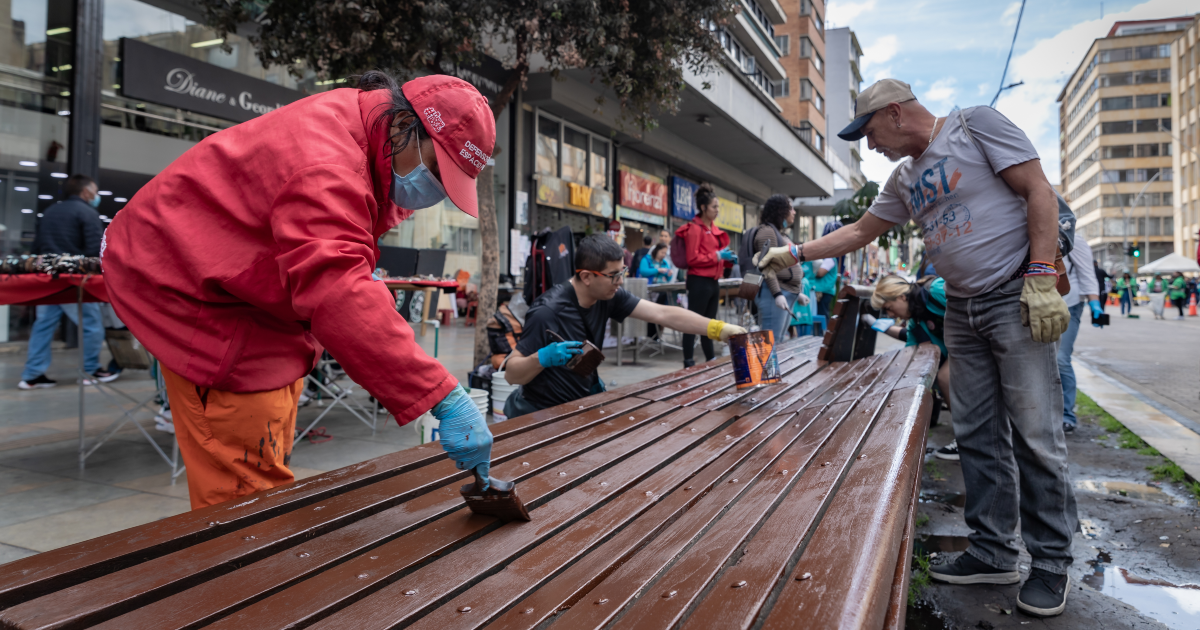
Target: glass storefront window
point(574, 159)
point(546, 161)
point(599, 163)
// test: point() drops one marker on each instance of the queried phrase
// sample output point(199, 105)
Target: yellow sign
point(550, 191)
point(581, 196)
point(731, 216)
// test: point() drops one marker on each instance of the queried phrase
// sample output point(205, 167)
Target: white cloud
point(876, 167)
point(984, 88)
point(943, 92)
point(844, 12)
point(881, 51)
point(1009, 18)
point(882, 73)
point(1047, 66)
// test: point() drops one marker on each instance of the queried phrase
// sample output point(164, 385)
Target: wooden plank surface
point(679, 501)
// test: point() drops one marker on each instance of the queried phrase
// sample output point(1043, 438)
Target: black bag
point(551, 261)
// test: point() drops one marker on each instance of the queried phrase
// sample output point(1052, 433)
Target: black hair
point(596, 251)
point(76, 184)
point(775, 211)
point(657, 248)
point(386, 114)
point(647, 241)
point(705, 195)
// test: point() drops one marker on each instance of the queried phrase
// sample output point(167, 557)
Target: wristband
point(1038, 268)
point(798, 252)
point(714, 329)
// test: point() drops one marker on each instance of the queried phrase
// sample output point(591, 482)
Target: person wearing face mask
point(254, 250)
point(707, 251)
point(71, 226)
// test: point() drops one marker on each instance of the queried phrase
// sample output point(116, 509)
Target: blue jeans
point(1007, 401)
point(1126, 301)
point(48, 316)
point(1066, 372)
point(770, 316)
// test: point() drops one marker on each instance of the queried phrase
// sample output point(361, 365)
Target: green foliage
point(920, 579)
point(1168, 470)
point(852, 209)
point(638, 49)
point(934, 470)
point(922, 520)
point(1194, 488)
point(1087, 409)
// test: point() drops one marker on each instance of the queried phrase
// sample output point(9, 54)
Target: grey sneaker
point(1044, 594)
point(967, 569)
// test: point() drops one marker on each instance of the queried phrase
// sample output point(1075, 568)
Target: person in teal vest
point(1178, 294)
point(922, 306)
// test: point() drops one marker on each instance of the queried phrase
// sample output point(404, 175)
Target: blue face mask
point(419, 189)
point(95, 202)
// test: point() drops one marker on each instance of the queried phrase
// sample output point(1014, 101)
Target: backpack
point(746, 249)
point(679, 249)
point(503, 332)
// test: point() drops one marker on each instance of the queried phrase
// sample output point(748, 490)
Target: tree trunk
point(489, 268)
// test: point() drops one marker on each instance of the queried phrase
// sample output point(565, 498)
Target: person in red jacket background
point(254, 250)
point(707, 254)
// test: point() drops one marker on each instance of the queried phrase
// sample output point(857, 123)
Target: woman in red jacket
point(707, 252)
point(254, 250)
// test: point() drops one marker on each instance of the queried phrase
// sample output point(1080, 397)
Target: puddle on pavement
point(949, 498)
point(1126, 489)
point(940, 544)
point(1175, 606)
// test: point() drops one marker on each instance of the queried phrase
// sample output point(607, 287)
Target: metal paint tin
point(754, 360)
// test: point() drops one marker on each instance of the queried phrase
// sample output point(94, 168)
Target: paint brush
point(499, 500)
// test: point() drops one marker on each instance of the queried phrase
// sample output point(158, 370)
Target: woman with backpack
point(705, 249)
point(779, 290)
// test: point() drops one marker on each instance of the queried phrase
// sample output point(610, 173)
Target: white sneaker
point(304, 400)
point(164, 424)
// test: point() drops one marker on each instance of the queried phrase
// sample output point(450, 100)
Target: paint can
point(754, 360)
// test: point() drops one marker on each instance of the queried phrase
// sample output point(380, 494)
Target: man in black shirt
point(576, 311)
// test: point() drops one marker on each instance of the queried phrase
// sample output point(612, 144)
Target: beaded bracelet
point(1037, 268)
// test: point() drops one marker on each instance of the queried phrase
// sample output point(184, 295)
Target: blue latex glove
point(883, 324)
point(558, 354)
point(726, 254)
point(1097, 310)
point(464, 433)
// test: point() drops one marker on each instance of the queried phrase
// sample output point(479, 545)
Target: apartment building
point(1115, 131)
point(1185, 109)
point(844, 81)
point(802, 43)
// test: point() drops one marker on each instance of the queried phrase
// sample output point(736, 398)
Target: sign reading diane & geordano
point(160, 76)
point(642, 194)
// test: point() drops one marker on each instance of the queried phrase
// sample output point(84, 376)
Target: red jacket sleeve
point(697, 258)
point(321, 221)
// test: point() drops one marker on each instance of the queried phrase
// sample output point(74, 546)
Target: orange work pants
point(232, 444)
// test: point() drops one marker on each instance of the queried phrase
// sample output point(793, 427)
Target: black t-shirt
point(558, 310)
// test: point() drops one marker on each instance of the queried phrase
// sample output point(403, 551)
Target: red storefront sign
point(642, 194)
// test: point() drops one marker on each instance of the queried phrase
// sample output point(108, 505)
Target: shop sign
point(731, 216)
point(551, 191)
point(642, 194)
point(602, 203)
point(579, 197)
point(638, 215)
point(150, 73)
point(683, 198)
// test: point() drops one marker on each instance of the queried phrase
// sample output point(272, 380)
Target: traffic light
point(1133, 251)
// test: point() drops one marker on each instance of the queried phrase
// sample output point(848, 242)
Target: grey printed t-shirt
point(974, 226)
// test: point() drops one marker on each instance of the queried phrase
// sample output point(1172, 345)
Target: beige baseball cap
point(872, 100)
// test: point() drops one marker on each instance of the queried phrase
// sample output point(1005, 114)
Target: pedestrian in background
point(1177, 292)
point(1126, 289)
point(71, 226)
point(780, 290)
point(647, 242)
point(656, 270)
point(1157, 287)
point(707, 252)
point(1102, 280)
point(1084, 289)
point(824, 275)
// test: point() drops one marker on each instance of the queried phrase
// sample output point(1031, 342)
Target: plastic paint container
point(754, 360)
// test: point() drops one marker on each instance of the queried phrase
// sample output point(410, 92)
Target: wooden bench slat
point(567, 589)
point(898, 601)
point(113, 594)
point(765, 557)
point(341, 584)
point(526, 573)
point(50, 571)
point(867, 514)
point(833, 437)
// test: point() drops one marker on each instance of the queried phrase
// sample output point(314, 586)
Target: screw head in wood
point(464, 609)
point(669, 594)
point(562, 474)
point(524, 463)
point(804, 576)
point(247, 537)
point(303, 554)
point(602, 600)
point(410, 592)
point(363, 576)
point(739, 584)
point(527, 611)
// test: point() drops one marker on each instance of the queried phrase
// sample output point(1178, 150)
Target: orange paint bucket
point(754, 360)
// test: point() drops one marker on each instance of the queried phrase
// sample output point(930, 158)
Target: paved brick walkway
point(1159, 358)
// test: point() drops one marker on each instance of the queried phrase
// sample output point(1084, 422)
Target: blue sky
point(952, 53)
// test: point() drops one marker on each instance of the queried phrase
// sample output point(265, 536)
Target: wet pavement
point(1137, 558)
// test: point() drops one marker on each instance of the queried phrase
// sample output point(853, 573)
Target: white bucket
point(501, 390)
point(427, 427)
point(480, 398)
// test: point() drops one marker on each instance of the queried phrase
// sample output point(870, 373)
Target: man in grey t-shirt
point(989, 218)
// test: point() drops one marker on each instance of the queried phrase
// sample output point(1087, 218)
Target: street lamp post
point(1137, 200)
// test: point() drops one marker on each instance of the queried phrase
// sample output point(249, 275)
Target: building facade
point(1185, 159)
point(802, 44)
point(844, 80)
point(1115, 130)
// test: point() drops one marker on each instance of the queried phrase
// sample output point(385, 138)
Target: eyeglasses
point(614, 277)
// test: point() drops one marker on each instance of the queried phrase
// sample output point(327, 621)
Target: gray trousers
point(1006, 398)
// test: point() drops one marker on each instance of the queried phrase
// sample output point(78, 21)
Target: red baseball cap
point(463, 129)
